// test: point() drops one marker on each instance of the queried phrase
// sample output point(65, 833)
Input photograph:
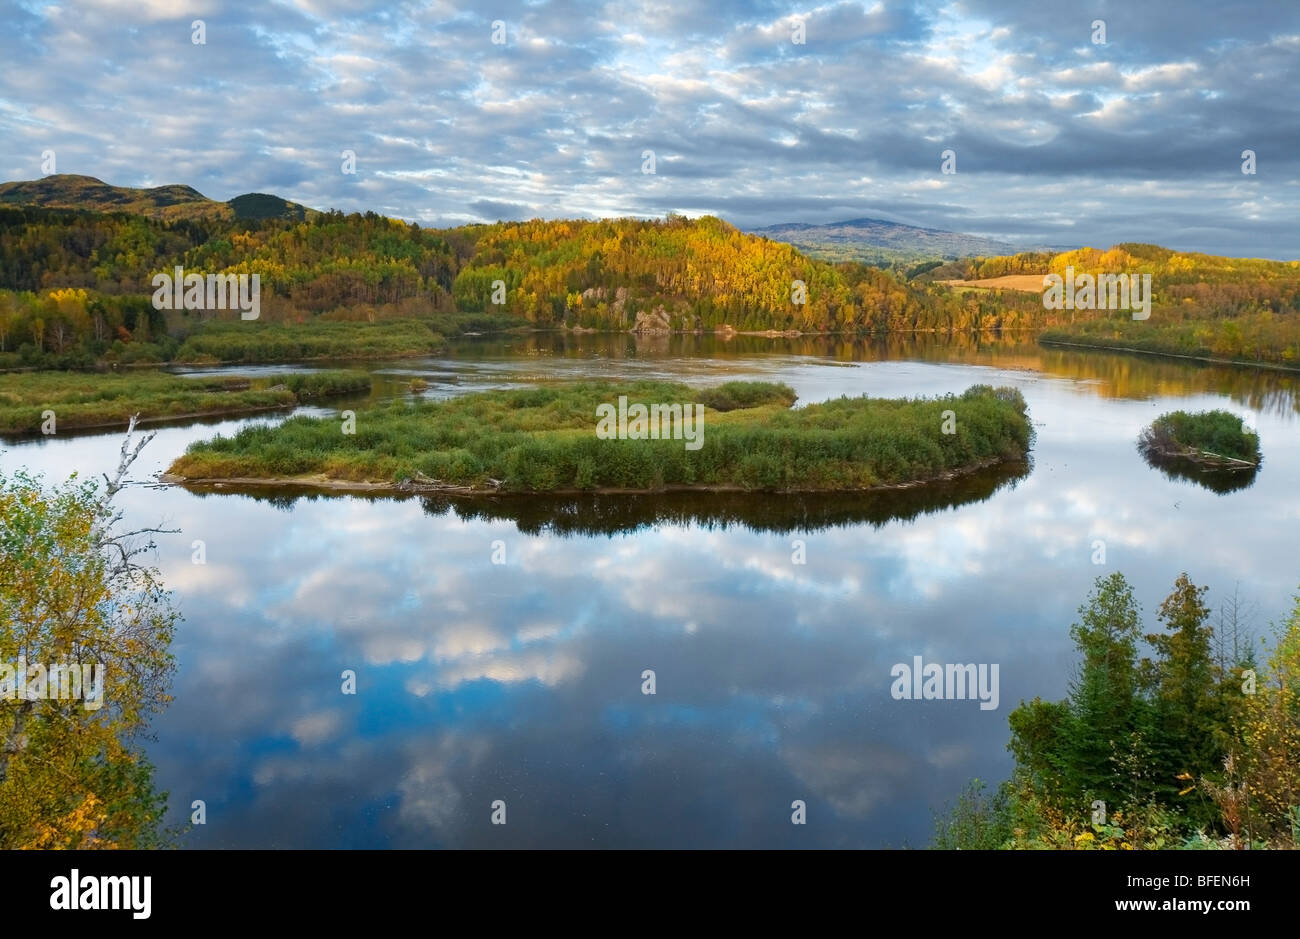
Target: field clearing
point(1029, 283)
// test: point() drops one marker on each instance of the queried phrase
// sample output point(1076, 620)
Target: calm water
point(522, 681)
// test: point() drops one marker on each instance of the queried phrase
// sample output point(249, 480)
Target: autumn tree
point(73, 594)
point(1269, 726)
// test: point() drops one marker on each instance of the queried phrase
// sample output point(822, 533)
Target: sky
point(1058, 139)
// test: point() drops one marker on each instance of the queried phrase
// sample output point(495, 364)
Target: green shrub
point(1206, 433)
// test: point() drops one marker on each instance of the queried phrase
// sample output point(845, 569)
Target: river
point(522, 681)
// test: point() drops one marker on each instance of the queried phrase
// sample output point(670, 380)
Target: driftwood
point(422, 483)
point(1158, 442)
point(1219, 457)
point(1203, 457)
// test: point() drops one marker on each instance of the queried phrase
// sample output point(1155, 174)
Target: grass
point(81, 399)
point(306, 385)
point(1209, 437)
point(257, 342)
point(544, 439)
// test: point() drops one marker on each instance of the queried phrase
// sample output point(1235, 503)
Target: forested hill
point(670, 273)
point(1164, 264)
point(683, 274)
point(80, 281)
point(1203, 305)
point(86, 193)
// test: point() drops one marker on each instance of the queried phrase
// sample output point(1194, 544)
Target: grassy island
point(84, 400)
point(545, 439)
point(254, 342)
point(1207, 438)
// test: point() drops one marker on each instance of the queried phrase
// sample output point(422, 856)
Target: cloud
point(500, 211)
point(449, 127)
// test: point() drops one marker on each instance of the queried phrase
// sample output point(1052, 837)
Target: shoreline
point(853, 335)
point(102, 367)
point(321, 483)
point(122, 422)
point(167, 366)
point(1235, 363)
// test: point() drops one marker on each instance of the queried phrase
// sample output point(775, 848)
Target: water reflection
point(1118, 375)
point(607, 514)
point(500, 361)
point(1216, 479)
point(521, 680)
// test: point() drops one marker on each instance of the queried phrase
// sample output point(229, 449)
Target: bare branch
point(129, 455)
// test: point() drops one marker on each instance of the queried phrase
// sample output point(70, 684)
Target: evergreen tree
point(1191, 719)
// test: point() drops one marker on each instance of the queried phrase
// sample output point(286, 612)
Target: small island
point(31, 403)
point(1209, 439)
point(747, 437)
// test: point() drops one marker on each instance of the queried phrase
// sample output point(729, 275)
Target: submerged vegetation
point(1191, 747)
point(76, 400)
point(544, 439)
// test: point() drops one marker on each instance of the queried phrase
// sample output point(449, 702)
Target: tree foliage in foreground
point(1194, 745)
point(71, 591)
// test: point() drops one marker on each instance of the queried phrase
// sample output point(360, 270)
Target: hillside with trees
point(165, 203)
point(75, 283)
point(1203, 305)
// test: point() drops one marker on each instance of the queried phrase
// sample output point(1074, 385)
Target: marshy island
point(745, 436)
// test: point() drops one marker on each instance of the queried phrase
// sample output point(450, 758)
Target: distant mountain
point(875, 240)
point(165, 203)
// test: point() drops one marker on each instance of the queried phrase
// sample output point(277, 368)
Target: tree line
point(75, 287)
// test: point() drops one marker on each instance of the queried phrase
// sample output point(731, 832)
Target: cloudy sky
point(1058, 139)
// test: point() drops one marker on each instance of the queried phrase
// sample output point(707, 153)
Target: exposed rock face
point(593, 295)
point(652, 321)
point(647, 322)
